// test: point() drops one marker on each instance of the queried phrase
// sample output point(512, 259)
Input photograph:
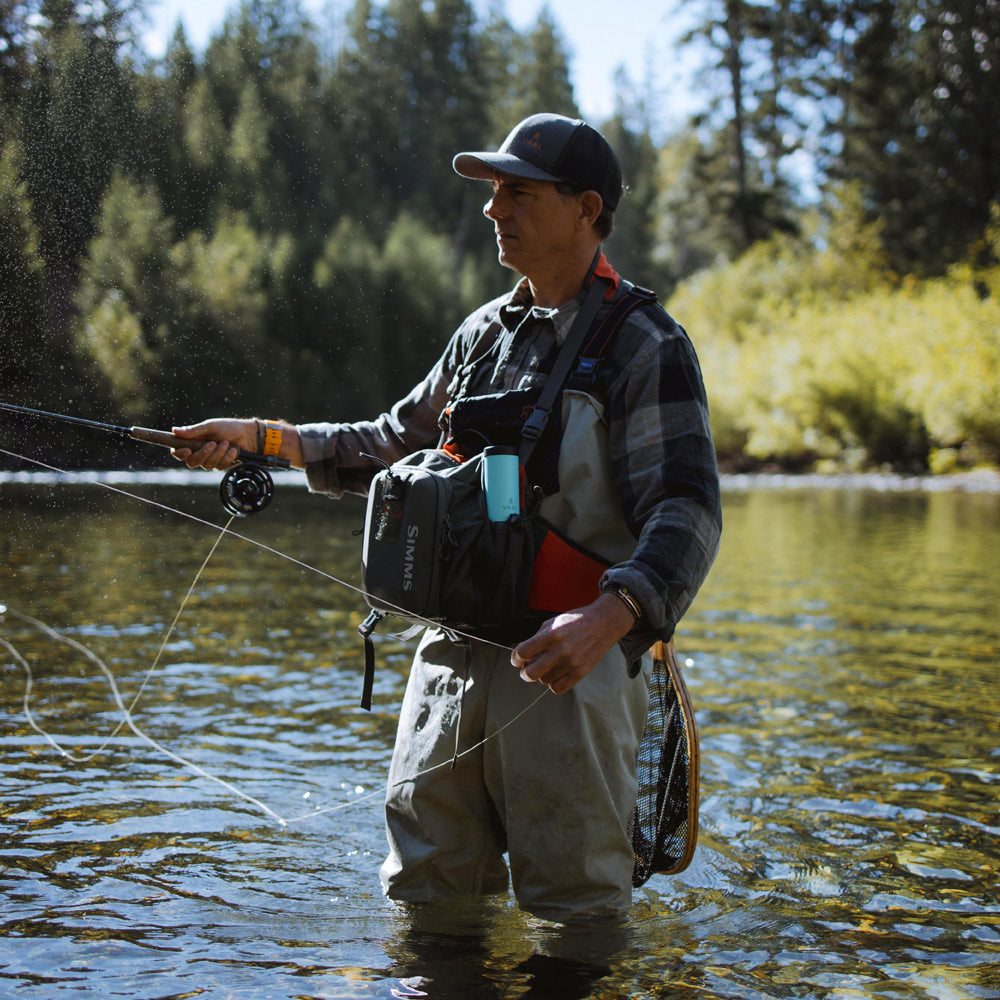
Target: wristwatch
point(627, 597)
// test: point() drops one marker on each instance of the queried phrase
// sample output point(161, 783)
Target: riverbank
point(977, 481)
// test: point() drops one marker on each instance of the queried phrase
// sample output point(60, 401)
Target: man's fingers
point(534, 647)
point(556, 677)
point(207, 456)
point(211, 455)
point(546, 668)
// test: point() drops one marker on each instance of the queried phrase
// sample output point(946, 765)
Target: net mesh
point(664, 826)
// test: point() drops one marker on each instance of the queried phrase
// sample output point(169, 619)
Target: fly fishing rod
point(245, 489)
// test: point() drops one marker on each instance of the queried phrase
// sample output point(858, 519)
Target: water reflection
point(487, 949)
point(842, 661)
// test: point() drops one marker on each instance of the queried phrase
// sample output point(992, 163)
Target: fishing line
point(29, 683)
point(169, 632)
point(102, 665)
point(127, 715)
point(251, 541)
point(191, 517)
point(450, 762)
point(127, 718)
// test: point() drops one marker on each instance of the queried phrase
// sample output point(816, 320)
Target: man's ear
point(591, 205)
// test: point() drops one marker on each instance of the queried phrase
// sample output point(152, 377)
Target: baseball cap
point(548, 147)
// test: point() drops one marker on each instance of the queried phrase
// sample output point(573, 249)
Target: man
point(631, 475)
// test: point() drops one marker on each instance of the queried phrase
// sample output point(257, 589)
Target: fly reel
point(246, 489)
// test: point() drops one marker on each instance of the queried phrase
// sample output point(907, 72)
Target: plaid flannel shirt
point(662, 456)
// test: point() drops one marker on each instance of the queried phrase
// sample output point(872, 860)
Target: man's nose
point(494, 209)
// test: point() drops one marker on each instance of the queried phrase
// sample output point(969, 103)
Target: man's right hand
point(221, 443)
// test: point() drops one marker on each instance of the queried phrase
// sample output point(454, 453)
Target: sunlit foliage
point(818, 356)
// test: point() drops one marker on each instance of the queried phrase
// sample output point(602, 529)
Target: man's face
point(535, 225)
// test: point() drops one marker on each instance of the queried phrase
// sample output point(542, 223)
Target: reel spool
point(246, 489)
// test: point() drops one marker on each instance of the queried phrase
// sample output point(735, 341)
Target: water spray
point(245, 489)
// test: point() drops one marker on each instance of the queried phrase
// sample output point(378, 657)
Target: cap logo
point(535, 141)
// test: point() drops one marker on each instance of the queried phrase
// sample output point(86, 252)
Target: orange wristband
point(272, 439)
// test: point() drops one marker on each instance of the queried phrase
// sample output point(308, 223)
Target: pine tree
point(542, 72)
point(165, 91)
point(27, 361)
point(695, 221)
point(748, 108)
point(920, 96)
point(126, 296)
point(15, 53)
point(631, 244)
point(78, 121)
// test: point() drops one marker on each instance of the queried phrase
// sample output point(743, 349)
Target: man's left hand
point(566, 648)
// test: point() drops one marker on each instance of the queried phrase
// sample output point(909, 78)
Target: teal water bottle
point(501, 483)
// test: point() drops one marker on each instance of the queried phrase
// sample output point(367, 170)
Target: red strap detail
point(605, 270)
point(563, 577)
point(608, 327)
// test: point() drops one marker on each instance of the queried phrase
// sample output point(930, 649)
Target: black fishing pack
point(432, 555)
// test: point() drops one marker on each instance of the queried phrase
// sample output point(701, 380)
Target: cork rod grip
point(164, 438)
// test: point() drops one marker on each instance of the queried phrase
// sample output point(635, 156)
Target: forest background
point(272, 226)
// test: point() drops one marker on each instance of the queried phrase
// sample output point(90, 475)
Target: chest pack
point(433, 556)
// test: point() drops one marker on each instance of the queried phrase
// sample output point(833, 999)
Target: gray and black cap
point(549, 147)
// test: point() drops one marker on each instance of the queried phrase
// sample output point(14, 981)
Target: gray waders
point(555, 789)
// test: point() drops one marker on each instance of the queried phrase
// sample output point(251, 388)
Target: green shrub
point(815, 355)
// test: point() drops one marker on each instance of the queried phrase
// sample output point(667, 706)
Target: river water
point(842, 660)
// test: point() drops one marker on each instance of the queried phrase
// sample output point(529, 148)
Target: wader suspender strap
point(593, 351)
point(539, 416)
point(589, 355)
